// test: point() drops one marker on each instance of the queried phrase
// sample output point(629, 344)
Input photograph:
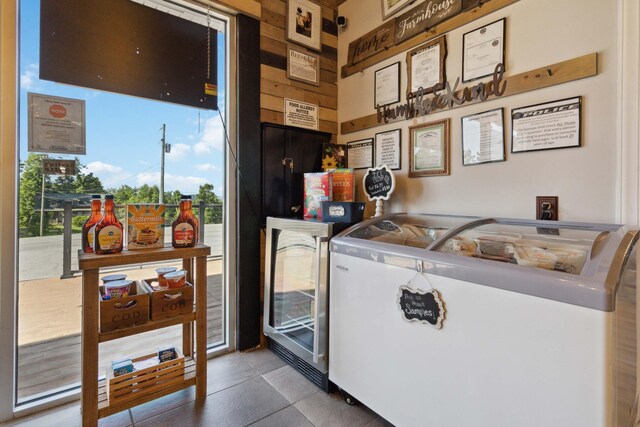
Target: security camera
point(341, 21)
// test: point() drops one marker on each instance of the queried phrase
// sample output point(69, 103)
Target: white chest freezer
point(539, 321)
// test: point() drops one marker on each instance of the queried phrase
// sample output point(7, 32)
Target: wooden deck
point(45, 366)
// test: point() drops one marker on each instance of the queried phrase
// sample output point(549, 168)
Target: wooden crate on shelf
point(167, 302)
point(137, 384)
point(126, 311)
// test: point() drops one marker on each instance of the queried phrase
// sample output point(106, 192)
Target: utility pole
point(161, 195)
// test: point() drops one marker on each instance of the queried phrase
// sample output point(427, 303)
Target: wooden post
point(89, 363)
point(201, 327)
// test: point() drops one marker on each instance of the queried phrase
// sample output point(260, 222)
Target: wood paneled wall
point(274, 84)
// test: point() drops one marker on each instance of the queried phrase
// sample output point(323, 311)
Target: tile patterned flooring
point(252, 388)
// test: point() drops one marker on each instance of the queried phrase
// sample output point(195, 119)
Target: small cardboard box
point(350, 212)
point(145, 226)
point(166, 302)
point(126, 311)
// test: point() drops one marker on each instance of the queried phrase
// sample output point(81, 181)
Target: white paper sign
point(56, 125)
point(300, 114)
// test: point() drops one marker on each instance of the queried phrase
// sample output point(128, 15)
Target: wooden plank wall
point(274, 84)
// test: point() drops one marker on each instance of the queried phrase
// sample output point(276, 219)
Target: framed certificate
point(304, 23)
point(482, 50)
point(303, 66)
point(429, 149)
point(388, 149)
point(483, 137)
point(425, 66)
point(546, 126)
point(389, 7)
point(387, 85)
point(360, 154)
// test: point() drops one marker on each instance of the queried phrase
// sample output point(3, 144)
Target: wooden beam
point(436, 31)
point(247, 7)
point(551, 75)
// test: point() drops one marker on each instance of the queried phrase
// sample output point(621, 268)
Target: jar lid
point(165, 270)
point(175, 275)
point(118, 284)
point(113, 277)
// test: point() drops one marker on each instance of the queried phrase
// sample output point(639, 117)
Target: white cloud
point(212, 138)
point(178, 151)
point(99, 167)
point(186, 184)
point(29, 79)
point(206, 167)
point(110, 175)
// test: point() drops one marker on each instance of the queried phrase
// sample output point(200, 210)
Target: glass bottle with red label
point(108, 232)
point(88, 228)
point(184, 230)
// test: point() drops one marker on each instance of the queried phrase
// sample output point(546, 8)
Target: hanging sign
point(56, 125)
point(58, 167)
point(300, 114)
point(424, 16)
point(379, 183)
point(371, 43)
point(421, 306)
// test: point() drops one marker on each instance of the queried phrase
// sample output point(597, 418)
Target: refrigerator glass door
point(293, 293)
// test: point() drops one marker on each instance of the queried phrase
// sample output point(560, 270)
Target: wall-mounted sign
point(379, 183)
point(424, 16)
point(421, 306)
point(371, 43)
point(482, 50)
point(300, 114)
point(360, 154)
point(56, 125)
point(58, 167)
point(425, 67)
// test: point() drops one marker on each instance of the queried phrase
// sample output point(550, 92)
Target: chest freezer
point(538, 321)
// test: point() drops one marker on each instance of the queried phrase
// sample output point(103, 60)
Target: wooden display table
point(95, 404)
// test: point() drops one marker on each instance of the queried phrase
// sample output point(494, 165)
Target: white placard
point(56, 125)
point(360, 154)
point(388, 149)
point(387, 85)
point(483, 50)
point(300, 114)
point(483, 137)
point(425, 68)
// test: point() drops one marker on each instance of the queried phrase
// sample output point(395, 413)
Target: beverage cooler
point(296, 293)
point(462, 321)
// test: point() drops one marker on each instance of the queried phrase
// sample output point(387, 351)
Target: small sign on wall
point(300, 114)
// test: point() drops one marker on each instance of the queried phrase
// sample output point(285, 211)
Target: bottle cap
point(109, 197)
point(185, 197)
point(95, 196)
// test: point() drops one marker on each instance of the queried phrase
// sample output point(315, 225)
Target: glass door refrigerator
point(296, 293)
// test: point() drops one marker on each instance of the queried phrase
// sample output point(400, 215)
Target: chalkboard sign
point(379, 183)
point(421, 306)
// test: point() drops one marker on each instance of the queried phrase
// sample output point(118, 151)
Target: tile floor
point(244, 389)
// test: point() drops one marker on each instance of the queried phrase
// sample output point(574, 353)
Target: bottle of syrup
point(108, 232)
point(184, 230)
point(88, 228)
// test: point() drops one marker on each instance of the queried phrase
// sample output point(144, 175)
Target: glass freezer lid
point(418, 231)
point(555, 248)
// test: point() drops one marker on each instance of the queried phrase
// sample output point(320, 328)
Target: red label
point(183, 234)
point(58, 111)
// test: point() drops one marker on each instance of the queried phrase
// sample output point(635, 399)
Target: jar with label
point(108, 232)
point(88, 228)
point(184, 230)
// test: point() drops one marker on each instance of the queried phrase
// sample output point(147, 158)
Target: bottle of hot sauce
point(90, 224)
point(184, 230)
point(108, 231)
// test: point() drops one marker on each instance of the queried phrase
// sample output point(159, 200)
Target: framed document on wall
point(429, 149)
point(483, 137)
point(388, 149)
point(387, 85)
point(303, 66)
point(360, 154)
point(425, 66)
point(482, 50)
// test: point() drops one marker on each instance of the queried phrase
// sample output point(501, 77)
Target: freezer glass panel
point(295, 269)
point(418, 231)
point(561, 249)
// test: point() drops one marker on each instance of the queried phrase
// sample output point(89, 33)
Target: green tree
point(212, 215)
point(31, 188)
point(148, 194)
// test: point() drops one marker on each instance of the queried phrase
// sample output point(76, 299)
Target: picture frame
point(360, 154)
point(304, 23)
point(483, 137)
point(429, 149)
point(388, 149)
point(483, 49)
point(390, 7)
point(386, 85)
point(426, 67)
point(303, 66)
point(547, 126)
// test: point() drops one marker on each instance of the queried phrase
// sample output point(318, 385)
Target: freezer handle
point(316, 311)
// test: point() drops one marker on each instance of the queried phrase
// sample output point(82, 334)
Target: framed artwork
point(360, 154)
point(547, 126)
point(390, 7)
point(303, 66)
point(429, 149)
point(304, 23)
point(482, 50)
point(388, 150)
point(425, 67)
point(483, 137)
point(387, 85)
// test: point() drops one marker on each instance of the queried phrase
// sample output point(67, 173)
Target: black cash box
point(351, 212)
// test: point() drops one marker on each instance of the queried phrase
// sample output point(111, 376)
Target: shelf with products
point(95, 404)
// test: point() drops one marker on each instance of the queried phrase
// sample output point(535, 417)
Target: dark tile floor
point(253, 388)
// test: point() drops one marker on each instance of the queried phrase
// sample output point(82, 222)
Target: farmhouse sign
point(424, 16)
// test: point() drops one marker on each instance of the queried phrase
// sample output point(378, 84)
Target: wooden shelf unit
point(194, 260)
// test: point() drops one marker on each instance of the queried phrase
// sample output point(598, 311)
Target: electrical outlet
point(547, 207)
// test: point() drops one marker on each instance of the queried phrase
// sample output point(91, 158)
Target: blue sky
point(123, 133)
